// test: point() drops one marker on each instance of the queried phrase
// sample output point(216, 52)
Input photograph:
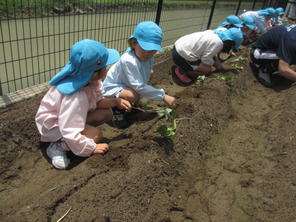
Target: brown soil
point(233, 160)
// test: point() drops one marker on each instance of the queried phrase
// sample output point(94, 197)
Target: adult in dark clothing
point(274, 52)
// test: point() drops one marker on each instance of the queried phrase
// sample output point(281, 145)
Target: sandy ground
point(233, 159)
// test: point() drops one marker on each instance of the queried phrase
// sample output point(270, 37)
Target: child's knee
point(92, 133)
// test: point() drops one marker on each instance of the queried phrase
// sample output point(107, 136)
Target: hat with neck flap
point(279, 11)
point(233, 20)
point(267, 11)
point(233, 34)
point(248, 21)
point(86, 57)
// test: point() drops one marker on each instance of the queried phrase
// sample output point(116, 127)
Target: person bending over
point(274, 53)
point(195, 54)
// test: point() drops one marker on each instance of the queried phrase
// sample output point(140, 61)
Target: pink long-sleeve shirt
point(64, 116)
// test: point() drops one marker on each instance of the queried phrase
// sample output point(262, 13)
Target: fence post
point(282, 3)
point(211, 14)
point(254, 3)
point(264, 4)
point(238, 7)
point(158, 13)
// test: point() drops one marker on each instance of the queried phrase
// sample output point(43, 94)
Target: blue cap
point(248, 21)
point(279, 11)
point(86, 57)
point(233, 34)
point(148, 35)
point(233, 20)
point(267, 11)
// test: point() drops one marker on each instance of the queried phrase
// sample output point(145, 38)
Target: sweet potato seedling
point(167, 113)
point(227, 79)
point(239, 59)
point(168, 132)
point(237, 67)
point(200, 79)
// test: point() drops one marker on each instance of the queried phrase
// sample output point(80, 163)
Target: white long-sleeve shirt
point(64, 116)
point(199, 45)
point(130, 72)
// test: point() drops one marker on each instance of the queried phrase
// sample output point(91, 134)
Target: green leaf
point(165, 132)
point(167, 113)
point(226, 79)
point(239, 59)
point(200, 79)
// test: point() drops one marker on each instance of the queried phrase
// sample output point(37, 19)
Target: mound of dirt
point(232, 159)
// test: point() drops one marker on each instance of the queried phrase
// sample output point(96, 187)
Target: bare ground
point(233, 160)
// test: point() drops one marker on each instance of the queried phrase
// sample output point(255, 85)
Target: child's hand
point(169, 100)
point(123, 104)
point(232, 53)
point(101, 148)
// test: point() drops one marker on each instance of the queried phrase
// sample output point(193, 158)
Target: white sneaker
point(58, 156)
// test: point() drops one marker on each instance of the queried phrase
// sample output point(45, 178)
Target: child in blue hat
point(262, 19)
point(277, 19)
point(232, 21)
point(129, 77)
point(248, 30)
point(75, 102)
point(196, 53)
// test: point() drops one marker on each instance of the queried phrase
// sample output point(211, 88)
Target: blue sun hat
point(148, 35)
point(267, 11)
point(248, 21)
point(279, 11)
point(233, 20)
point(86, 57)
point(233, 34)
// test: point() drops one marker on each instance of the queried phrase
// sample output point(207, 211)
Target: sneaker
point(58, 156)
point(180, 78)
point(118, 119)
point(264, 78)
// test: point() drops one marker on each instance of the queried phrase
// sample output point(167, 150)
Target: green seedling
point(239, 59)
point(200, 79)
point(167, 132)
point(167, 113)
point(145, 106)
point(227, 79)
point(238, 67)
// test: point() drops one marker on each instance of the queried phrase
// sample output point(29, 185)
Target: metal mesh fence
point(35, 41)
point(35, 36)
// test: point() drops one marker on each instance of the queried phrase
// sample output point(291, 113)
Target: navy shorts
point(183, 63)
